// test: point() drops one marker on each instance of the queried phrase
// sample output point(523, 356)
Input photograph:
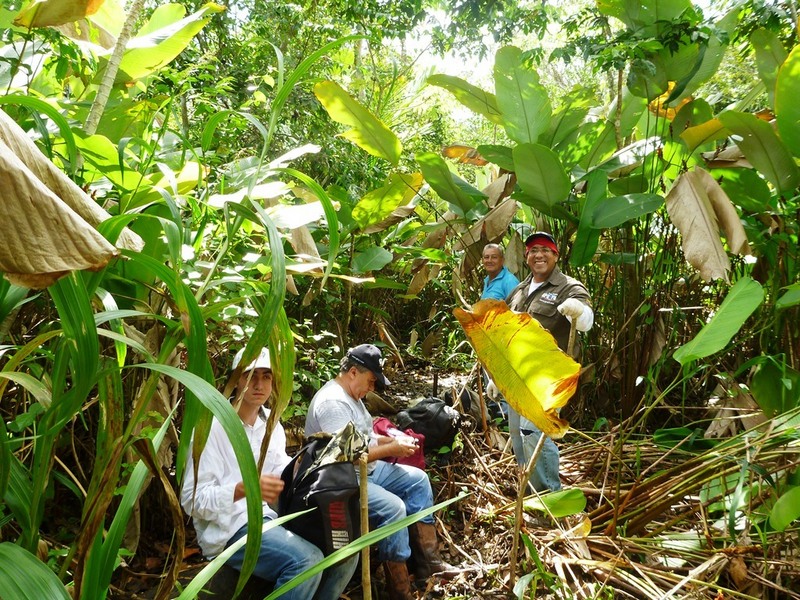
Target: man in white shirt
point(216, 501)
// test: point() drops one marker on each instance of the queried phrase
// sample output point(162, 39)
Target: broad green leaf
point(640, 13)
point(613, 212)
point(24, 577)
point(786, 509)
point(787, 107)
point(499, 155)
point(367, 132)
point(745, 188)
point(775, 387)
point(378, 204)
point(693, 112)
point(588, 238)
point(789, 298)
point(372, 259)
point(540, 173)
point(770, 55)
point(742, 300)
point(558, 504)
point(602, 143)
point(532, 373)
point(49, 13)
point(522, 99)
point(647, 78)
point(146, 54)
point(762, 147)
point(712, 54)
point(472, 97)
point(439, 177)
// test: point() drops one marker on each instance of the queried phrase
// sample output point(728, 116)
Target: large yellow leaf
point(47, 13)
point(533, 374)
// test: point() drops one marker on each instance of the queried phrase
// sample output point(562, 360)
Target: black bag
point(432, 418)
point(331, 489)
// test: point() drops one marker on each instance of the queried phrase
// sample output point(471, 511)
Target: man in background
point(499, 281)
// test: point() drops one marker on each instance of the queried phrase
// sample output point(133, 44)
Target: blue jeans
point(284, 555)
point(395, 491)
point(545, 474)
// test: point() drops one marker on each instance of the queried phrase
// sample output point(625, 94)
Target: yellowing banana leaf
point(46, 13)
point(526, 364)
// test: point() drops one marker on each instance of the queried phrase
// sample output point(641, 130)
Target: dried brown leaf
point(42, 237)
point(62, 186)
point(692, 212)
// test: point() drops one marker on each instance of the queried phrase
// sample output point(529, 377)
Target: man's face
point(361, 382)
point(541, 261)
point(257, 386)
point(492, 261)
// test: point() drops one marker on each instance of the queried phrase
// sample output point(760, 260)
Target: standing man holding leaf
point(555, 301)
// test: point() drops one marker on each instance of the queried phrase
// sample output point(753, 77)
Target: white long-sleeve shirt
point(216, 516)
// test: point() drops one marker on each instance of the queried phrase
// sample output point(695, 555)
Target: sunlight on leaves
point(368, 132)
point(529, 369)
point(46, 13)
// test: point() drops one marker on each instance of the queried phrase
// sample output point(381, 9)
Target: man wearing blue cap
point(555, 300)
point(394, 490)
point(216, 498)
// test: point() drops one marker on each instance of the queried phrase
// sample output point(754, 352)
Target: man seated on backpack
point(216, 500)
point(394, 490)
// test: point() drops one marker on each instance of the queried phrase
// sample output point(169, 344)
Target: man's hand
point(403, 446)
point(571, 307)
point(271, 487)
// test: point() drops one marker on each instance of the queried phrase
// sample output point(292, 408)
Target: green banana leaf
point(787, 108)
point(368, 132)
point(613, 212)
point(540, 174)
point(742, 300)
point(764, 149)
point(522, 99)
point(474, 98)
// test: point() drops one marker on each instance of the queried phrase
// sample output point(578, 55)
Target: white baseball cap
point(261, 362)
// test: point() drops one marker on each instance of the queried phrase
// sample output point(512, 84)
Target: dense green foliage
point(298, 180)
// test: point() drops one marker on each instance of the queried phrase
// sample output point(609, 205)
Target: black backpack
point(331, 489)
point(432, 418)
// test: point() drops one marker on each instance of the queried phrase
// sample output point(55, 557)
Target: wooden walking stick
point(366, 579)
point(525, 475)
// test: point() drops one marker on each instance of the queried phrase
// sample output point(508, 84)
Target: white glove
point(572, 308)
point(492, 391)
